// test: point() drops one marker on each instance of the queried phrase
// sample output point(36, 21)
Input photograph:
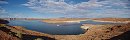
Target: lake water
point(62, 29)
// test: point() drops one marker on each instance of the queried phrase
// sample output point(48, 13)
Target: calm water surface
point(64, 29)
point(37, 25)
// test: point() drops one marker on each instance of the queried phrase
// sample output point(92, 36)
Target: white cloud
point(87, 8)
point(2, 11)
point(5, 14)
point(3, 2)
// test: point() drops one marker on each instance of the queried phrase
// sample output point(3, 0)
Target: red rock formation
point(5, 36)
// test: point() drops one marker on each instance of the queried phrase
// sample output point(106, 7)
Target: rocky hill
point(114, 20)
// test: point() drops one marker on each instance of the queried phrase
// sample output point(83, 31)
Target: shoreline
point(93, 32)
point(64, 21)
point(100, 30)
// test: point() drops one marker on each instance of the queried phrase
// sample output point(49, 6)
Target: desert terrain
point(92, 32)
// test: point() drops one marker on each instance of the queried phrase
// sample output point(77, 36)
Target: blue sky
point(64, 8)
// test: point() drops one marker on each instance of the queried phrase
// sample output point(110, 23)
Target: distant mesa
point(64, 20)
point(114, 20)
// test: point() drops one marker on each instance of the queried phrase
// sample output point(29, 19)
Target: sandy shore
point(65, 20)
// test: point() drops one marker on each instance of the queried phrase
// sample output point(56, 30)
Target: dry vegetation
point(4, 35)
